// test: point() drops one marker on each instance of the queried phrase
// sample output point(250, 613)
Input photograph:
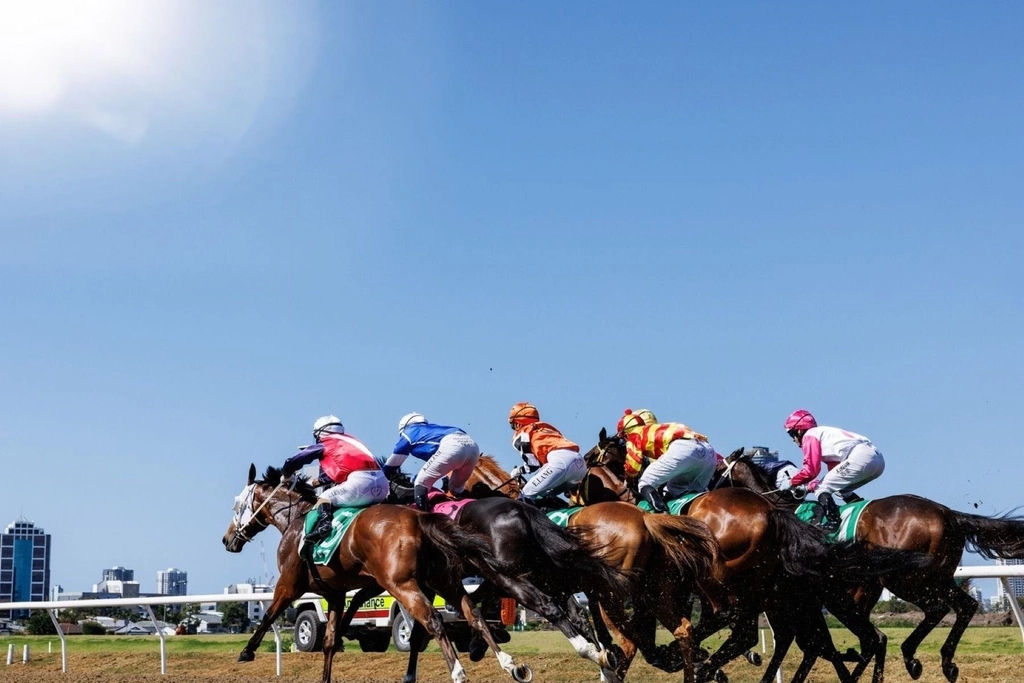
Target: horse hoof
point(952, 672)
point(914, 668)
point(522, 673)
point(754, 658)
point(611, 661)
point(246, 656)
point(720, 677)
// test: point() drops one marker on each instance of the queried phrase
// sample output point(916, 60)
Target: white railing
point(1002, 573)
point(52, 606)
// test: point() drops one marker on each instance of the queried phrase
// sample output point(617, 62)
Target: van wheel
point(309, 632)
point(401, 633)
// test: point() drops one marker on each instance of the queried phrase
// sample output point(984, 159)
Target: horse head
point(260, 505)
point(489, 479)
point(605, 478)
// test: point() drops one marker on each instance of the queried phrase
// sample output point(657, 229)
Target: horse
point(541, 566)
point(409, 554)
point(670, 557)
point(766, 555)
point(910, 522)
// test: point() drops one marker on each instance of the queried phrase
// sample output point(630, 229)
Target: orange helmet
point(523, 412)
point(635, 420)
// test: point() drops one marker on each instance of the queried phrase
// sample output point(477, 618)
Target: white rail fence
point(1002, 573)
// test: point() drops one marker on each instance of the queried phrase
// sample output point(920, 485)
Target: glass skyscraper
point(24, 565)
point(172, 582)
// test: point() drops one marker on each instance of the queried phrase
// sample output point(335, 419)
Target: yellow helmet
point(631, 420)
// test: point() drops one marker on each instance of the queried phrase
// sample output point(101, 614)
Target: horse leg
point(475, 618)
point(633, 634)
point(783, 634)
point(934, 609)
point(420, 608)
point(674, 614)
point(284, 593)
point(416, 642)
point(329, 635)
point(873, 642)
point(965, 606)
point(742, 638)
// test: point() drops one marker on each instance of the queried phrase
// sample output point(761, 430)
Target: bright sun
point(51, 48)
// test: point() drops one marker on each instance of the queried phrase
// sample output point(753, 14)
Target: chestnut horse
point(409, 554)
point(774, 563)
point(912, 523)
point(669, 557)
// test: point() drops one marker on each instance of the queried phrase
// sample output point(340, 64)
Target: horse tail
point(572, 551)
point(806, 552)
point(453, 545)
point(992, 537)
point(801, 546)
point(690, 545)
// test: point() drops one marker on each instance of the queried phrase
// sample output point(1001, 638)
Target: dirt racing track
point(356, 667)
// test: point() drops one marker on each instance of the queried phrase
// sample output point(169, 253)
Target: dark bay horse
point(541, 566)
point(908, 522)
point(669, 558)
point(774, 563)
point(409, 554)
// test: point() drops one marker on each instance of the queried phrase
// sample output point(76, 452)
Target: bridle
point(727, 474)
point(256, 519)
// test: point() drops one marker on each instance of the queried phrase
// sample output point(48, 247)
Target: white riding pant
point(687, 467)
point(784, 474)
point(362, 488)
point(564, 467)
point(863, 464)
point(456, 457)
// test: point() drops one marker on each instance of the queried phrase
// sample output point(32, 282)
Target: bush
point(269, 646)
point(39, 624)
point(92, 628)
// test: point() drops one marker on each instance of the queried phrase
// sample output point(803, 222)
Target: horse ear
point(252, 473)
point(735, 454)
point(604, 434)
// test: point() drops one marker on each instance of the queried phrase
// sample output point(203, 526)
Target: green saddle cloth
point(849, 514)
point(677, 506)
point(561, 517)
point(324, 550)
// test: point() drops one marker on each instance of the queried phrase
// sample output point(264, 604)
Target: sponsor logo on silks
point(848, 514)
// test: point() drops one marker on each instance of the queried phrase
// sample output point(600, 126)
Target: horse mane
point(759, 474)
point(489, 462)
point(487, 467)
point(272, 477)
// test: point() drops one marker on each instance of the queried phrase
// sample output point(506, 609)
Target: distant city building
point(118, 574)
point(172, 582)
point(1016, 582)
point(253, 609)
point(24, 565)
point(975, 593)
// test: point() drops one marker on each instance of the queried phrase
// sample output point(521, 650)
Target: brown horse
point(409, 554)
point(912, 523)
point(669, 557)
point(774, 563)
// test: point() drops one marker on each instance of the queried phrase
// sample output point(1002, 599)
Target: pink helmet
point(800, 420)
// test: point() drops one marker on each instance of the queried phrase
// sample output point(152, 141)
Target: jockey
point(446, 450)
point(346, 465)
point(683, 459)
point(852, 461)
point(551, 459)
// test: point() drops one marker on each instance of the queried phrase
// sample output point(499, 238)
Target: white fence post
point(24, 655)
point(60, 634)
point(163, 642)
point(10, 654)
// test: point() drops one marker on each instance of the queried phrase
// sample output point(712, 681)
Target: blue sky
point(720, 212)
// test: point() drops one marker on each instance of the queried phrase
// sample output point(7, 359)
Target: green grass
point(991, 640)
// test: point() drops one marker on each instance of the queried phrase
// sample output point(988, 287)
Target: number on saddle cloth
point(324, 550)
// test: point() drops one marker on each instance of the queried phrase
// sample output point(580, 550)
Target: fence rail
point(1002, 573)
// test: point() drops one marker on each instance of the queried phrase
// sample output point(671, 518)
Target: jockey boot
point(324, 522)
point(654, 499)
point(420, 496)
point(832, 519)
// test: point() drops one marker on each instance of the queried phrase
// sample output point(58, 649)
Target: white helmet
point(328, 424)
point(411, 419)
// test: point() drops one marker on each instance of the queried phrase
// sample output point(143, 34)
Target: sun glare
point(49, 49)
